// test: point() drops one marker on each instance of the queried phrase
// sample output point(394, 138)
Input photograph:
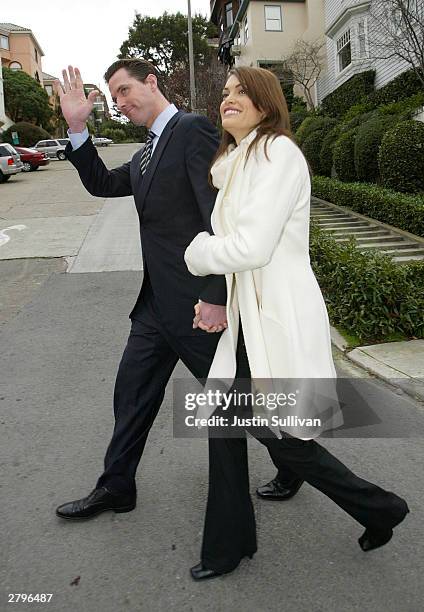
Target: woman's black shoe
point(275, 489)
point(374, 539)
point(200, 572)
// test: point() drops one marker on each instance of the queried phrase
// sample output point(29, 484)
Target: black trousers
point(144, 371)
point(230, 531)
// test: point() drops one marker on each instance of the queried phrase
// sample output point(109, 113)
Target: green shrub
point(367, 144)
point(29, 134)
point(352, 91)
point(297, 117)
point(401, 87)
point(401, 157)
point(343, 156)
point(398, 209)
point(367, 293)
point(312, 144)
point(116, 134)
point(405, 108)
point(309, 125)
point(355, 110)
point(326, 151)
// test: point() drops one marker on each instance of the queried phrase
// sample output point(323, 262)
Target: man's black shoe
point(275, 489)
point(99, 500)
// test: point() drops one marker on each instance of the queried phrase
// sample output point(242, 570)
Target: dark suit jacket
point(174, 202)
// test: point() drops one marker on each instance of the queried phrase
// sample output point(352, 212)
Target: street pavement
point(61, 338)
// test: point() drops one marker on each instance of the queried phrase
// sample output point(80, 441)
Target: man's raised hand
point(76, 107)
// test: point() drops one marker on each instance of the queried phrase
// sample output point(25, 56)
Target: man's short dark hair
point(137, 68)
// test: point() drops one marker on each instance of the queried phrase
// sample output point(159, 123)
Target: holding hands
point(210, 317)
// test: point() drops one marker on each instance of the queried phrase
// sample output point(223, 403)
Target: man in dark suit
point(168, 178)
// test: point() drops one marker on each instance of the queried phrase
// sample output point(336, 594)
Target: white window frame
point(49, 90)
point(229, 11)
point(273, 19)
point(246, 30)
point(364, 35)
point(341, 42)
point(5, 38)
point(17, 67)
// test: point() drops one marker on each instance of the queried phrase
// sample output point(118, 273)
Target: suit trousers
point(230, 530)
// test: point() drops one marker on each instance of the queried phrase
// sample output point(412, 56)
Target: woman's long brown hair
point(264, 90)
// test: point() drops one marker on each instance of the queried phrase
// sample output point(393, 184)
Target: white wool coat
point(261, 244)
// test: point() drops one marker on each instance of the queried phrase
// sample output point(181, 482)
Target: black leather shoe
point(374, 539)
point(200, 572)
point(278, 490)
point(99, 500)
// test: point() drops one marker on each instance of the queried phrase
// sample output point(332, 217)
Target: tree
point(163, 40)
point(397, 30)
point(305, 63)
point(25, 99)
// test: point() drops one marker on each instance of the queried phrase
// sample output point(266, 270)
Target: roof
point(48, 77)
point(12, 28)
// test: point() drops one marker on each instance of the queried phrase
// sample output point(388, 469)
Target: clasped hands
point(210, 317)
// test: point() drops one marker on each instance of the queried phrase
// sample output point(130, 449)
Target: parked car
point(53, 148)
point(32, 159)
point(10, 162)
point(101, 142)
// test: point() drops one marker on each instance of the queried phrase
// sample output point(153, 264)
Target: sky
point(86, 33)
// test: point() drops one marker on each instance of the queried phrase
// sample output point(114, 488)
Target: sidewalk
point(399, 363)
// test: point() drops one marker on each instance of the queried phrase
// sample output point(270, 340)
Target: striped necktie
point(147, 152)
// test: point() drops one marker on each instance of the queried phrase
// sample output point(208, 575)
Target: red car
point(32, 159)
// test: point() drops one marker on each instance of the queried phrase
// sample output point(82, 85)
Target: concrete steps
point(370, 235)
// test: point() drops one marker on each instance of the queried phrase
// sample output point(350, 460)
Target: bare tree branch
point(305, 64)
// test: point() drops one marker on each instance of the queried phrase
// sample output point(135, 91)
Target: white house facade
point(351, 27)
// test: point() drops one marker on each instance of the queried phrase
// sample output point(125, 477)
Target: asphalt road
point(61, 338)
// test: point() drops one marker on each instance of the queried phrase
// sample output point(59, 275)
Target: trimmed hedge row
point(349, 93)
point(367, 293)
point(401, 157)
point(28, 133)
point(392, 207)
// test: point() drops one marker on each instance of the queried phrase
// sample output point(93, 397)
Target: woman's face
point(238, 114)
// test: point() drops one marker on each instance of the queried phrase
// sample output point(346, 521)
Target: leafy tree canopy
point(25, 99)
point(163, 40)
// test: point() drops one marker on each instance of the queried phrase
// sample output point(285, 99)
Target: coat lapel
point(144, 182)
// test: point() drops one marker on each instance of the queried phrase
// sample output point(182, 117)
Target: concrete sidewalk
point(399, 363)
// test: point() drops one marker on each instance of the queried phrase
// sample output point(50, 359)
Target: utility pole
point(191, 60)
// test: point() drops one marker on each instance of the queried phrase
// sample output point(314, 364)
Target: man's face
point(134, 99)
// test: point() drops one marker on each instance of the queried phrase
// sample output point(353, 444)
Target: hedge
point(343, 156)
point(311, 147)
point(326, 151)
point(308, 126)
point(367, 144)
point(29, 134)
point(366, 293)
point(401, 157)
point(401, 87)
point(349, 93)
point(398, 209)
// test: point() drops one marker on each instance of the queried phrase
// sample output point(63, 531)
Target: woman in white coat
point(277, 323)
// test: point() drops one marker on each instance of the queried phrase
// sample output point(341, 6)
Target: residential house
point(352, 27)
point(20, 50)
point(264, 32)
point(101, 111)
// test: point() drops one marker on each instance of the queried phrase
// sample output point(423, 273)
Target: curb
point(411, 386)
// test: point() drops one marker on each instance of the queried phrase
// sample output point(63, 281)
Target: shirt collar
point(161, 120)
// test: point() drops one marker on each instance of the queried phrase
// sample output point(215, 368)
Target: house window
point(49, 90)
point(229, 14)
point(246, 31)
point(4, 42)
point(36, 55)
point(362, 41)
point(344, 52)
point(273, 18)
point(15, 66)
point(37, 77)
